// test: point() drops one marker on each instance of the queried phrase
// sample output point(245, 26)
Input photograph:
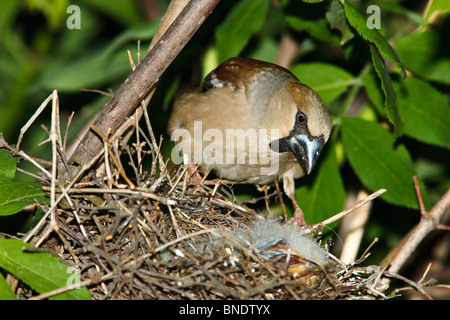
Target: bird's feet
point(195, 175)
point(298, 216)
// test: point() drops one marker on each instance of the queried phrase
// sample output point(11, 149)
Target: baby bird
point(252, 121)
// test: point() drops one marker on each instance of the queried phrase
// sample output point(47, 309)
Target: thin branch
point(137, 192)
point(33, 118)
point(340, 215)
point(182, 238)
point(428, 222)
point(413, 284)
point(423, 211)
point(73, 286)
point(142, 80)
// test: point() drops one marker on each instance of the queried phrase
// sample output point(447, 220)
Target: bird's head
point(279, 101)
point(307, 124)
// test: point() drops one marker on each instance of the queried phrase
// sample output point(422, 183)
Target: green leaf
point(336, 18)
point(379, 162)
point(436, 6)
point(8, 13)
point(125, 12)
point(96, 68)
point(322, 195)
point(54, 11)
point(16, 195)
point(6, 292)
point(425, 112)
point(245, 19)
point(41, 271)
point(311, 18)
point(8, 165)
point(141, 32)
point(359, 22)
point(87, 72)
point(427, 54)
point(390, 103)
point(328, 80)
point(374, 92)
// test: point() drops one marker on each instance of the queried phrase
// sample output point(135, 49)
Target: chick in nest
point(277, 240)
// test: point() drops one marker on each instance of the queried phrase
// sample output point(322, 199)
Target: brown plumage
point(252, 121)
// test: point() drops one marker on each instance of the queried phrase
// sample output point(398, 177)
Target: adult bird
point(252, 121)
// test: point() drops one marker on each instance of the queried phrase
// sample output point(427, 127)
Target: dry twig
point(429, 221)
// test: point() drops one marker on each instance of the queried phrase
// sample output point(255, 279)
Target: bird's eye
point(301, 118)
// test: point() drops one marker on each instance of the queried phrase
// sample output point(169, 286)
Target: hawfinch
point(252, 121)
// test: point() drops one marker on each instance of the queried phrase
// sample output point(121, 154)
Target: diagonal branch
point(141, 81)
point(429, 221)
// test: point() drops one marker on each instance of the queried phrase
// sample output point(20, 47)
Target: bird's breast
point(226, 137)
point(237, 154)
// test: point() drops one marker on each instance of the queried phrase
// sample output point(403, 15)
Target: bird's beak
point(306, 150)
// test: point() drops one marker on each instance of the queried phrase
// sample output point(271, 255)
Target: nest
point(180, 242)
point(161, 234)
